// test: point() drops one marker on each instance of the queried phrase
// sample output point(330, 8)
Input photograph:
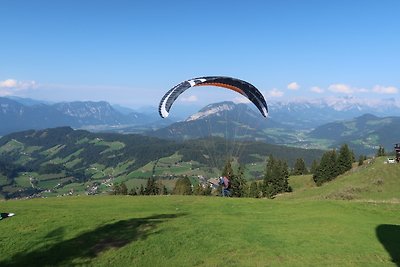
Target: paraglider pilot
point(224, 181)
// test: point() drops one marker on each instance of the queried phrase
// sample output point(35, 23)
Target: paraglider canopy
point(244, 88)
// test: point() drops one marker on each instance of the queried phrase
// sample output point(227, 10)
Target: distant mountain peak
point(212, 110)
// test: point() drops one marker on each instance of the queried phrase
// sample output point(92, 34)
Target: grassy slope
point(375, 181)
point(306, 228)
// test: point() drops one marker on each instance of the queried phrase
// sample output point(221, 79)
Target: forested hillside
point(42, 160)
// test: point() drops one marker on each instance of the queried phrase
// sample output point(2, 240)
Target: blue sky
point(132, 52)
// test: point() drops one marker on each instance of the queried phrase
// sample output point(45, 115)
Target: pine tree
point(238, 183)
point(345, 159)
point(314, 166)
point(276, 178)
point(268, 177)
point(151, 187)
point(228, 170)
point(327, 169)
point(300, 167)
point(284, 178)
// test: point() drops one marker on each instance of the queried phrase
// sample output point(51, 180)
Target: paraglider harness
point(226, 186)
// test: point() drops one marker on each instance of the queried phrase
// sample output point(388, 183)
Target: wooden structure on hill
point(397, 150)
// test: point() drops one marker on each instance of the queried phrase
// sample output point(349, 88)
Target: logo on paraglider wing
point(196, 81)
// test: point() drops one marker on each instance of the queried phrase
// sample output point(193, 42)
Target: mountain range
point(318, 124)
point(19, 114)
point(364, 134)
point(311, 113)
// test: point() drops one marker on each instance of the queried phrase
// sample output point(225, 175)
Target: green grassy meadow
point(198, 231)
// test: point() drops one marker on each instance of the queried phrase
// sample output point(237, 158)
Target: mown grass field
point(198, 231)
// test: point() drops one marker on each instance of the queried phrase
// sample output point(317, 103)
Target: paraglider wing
point(244, 88)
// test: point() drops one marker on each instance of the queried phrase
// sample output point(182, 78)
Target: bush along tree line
point(333, 164)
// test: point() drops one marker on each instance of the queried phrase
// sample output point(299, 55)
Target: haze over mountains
point(304, 123)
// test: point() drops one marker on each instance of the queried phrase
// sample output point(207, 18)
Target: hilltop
point(374, 181)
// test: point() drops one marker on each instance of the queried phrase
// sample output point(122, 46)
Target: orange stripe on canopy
point(228, 86)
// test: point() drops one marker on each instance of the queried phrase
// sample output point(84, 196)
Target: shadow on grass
point(90, 244)
point(389, 236)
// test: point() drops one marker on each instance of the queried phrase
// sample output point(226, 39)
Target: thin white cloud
point(317, 89)
point(9, 83)
point(274, 93)
point(341, 88)
point(191, 98)
point(10, 86)
point(293, 86)
point(18, 85)
point(385, 89)
point(346, 89)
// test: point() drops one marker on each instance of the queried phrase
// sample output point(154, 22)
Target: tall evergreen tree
point(300, 167)
point(275, 178)
point(327, 169)
point(228, 170)
point(151, 187)
point(314, 166)
point(345, 159)
point(238, 183)
point(284, 178)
